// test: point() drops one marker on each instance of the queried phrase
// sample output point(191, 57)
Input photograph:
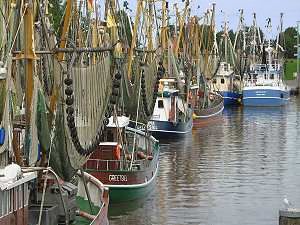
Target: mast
point(279, 36)
point(240, 28)
point(150, 28)
point(258, 33)
point(212, 31)
point(226, 40)
point(269, 49)
point(164, 31)
point(29, 56)
point(63, 43)
point(176, 20)
point(134, 35)
point(65, 30)
point(181, 25)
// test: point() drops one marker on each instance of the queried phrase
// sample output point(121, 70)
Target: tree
point(290, 42)
point(56, 10)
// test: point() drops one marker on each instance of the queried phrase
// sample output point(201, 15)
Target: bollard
point(289, 216)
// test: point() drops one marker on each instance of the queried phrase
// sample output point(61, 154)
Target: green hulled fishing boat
point(126, 159)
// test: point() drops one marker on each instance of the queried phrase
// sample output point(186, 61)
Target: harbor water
point(234, 170)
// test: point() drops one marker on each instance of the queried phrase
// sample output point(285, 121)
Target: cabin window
point(222, 81)
point(160, 103)
point(110, 135)
point(214, 81)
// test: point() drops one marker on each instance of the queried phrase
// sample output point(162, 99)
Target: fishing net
point(86, 96)
point(144, 83)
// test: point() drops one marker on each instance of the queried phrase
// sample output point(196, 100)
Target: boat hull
point(231, 98)
point(166, 128)
point(100, 214)
point(265, 97)
point(161, 129)
point(211, 112)
point(18, 217)
point(127, 185)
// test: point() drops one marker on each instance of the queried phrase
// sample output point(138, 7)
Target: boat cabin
point(117, 147)
point(264, 75)
point(225, 79)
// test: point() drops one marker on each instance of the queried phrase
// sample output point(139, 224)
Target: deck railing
point(106, 165)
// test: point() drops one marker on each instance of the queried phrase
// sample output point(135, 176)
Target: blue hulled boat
point(227, 84)
point(171, 114)
point(231, 97)
point(264, 86)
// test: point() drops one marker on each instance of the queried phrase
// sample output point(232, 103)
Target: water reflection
point(235, 171)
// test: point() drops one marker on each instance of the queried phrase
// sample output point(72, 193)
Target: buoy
point(117, 153)
point(150, 157)
point(141, 155)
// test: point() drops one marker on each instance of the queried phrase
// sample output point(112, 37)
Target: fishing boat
point(264, 85)
point(227, 84)
point(206, 102)
point(214, 107)
point(127, 162)
point(126, 159)
point(225, 81)
point(171, 114)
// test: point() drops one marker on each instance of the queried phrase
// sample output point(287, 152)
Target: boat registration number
point(117, 178)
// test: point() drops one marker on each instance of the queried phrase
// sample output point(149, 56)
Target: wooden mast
point(181, 25)
point(65, 30)
point(134, 35)
point(164, 33)
point(29, 56)
point(211, 30)
point(63, 43)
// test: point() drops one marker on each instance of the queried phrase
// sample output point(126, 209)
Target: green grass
point(290, 69)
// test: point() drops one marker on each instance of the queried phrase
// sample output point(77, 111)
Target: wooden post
point(289, 217)
point(29, 56)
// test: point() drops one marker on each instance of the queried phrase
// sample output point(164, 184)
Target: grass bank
point(290, 69)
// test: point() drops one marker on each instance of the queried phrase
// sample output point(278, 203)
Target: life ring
point(117, 152)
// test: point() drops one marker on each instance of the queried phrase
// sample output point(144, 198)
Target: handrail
point(144, 162)
point(141, 133)
point(104, 197)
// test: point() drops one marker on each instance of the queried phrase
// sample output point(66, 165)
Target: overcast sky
point(229, 9)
